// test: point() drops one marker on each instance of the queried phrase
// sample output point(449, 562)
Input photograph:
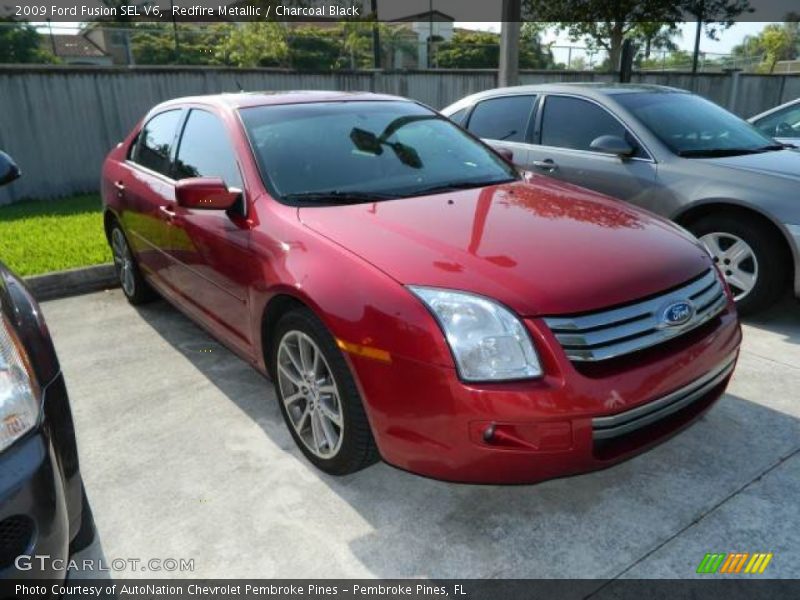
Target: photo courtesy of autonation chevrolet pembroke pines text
point(378, 299)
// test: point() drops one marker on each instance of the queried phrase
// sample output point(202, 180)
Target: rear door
point(564, 129)
point(211, 247)
point(148, 192)
point(505, 122)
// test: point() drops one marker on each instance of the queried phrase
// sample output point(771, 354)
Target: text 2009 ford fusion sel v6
point(410, 294)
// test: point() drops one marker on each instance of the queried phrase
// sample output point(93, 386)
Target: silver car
point(669, 151)
point(781, 122)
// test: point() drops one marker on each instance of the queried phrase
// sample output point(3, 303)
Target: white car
point(781, 122)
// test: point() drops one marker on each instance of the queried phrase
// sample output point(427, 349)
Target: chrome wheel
point(123, 261)
point(736, 259)
point(309, 394)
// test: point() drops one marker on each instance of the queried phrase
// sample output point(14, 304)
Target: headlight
point(488, 342)
point(19, 404)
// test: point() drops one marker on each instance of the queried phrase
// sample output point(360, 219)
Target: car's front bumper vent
point(615, 332)
point(16, 534)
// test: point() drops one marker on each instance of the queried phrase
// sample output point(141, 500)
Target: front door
point(565, 129)
point(211, 247)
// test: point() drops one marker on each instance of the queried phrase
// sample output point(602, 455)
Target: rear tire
point(133, 284)
point(318, 396)
point(747, 251)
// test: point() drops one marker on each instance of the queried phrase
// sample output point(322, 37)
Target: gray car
point(666, 150)
point(781, 122)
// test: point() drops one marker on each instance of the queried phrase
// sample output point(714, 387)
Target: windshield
point(694, 127)
point(344, 152)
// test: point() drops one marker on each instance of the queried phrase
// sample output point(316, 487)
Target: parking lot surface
point(185, 455)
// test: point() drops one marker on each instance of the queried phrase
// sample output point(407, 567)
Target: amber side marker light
point(365, 351)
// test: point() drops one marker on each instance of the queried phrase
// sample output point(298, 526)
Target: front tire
point(750, 256)
point(133, 285)
point(318, 396)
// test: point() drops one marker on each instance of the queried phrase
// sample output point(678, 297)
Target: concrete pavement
point(185, 455)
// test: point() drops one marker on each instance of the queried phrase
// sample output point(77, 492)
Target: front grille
point(611, 333)
point(16, 534)
point(620, 424)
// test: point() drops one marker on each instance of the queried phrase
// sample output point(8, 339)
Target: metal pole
point(696, 54)
point(376, 37)
point(430, 34)
point(52, 39)
point(508, 73)
point(174, 30)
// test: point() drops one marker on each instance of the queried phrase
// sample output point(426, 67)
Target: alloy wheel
point(123, 261)
point(736, 259)
point(310, 395)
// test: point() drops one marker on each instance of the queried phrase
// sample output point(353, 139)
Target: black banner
point(387, 10)
point(710, 588)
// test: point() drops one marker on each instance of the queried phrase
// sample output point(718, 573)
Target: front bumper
point(40, 493)
point(33, 512)
point(427, 421)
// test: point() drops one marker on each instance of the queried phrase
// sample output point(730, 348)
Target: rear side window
point(458, 116)
point(504, 119)
point(575, 123)
point(206, 151)
point(155, 142)
point(783, 123)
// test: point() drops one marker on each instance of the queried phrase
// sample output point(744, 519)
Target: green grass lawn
point(38, 236)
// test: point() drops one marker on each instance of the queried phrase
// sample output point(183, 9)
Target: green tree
point(154, 43)
point(777, 41)
point(481, 50)
point(21, 43)
point(316, 49)
point(254, 44)
point(604, 24)
point(778, 44)
point(469, 50)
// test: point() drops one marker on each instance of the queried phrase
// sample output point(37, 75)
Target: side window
point(458, 116)
point(155, 141)
point(503, 119)
point(575, 123)
point(784, 123)
point(205, 150)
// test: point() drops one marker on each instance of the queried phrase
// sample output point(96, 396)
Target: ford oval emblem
point(677, 313)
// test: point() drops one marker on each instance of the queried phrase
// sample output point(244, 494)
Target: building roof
point(71, 46)
point(426, 16)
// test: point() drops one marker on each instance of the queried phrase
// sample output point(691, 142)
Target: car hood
point(541, 247)
point(781, 163)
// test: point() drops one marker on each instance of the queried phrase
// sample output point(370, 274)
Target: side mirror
point(506, 154)
point(9, 171)
point(209, 193)
point(612, 144)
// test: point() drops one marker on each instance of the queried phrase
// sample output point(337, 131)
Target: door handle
point(120, 188)
point(548, 164)
point(167, 211)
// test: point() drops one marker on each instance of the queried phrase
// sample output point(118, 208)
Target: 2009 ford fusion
point(412, 296)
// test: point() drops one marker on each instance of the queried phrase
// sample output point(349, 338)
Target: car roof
point(590, 89)
point(774, 109)
point(248, 99)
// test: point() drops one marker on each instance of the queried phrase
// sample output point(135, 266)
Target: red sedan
point(411, 295)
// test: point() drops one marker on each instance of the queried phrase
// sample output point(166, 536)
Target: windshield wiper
point(719, 152)
point(463, 185)
point(339, 197)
